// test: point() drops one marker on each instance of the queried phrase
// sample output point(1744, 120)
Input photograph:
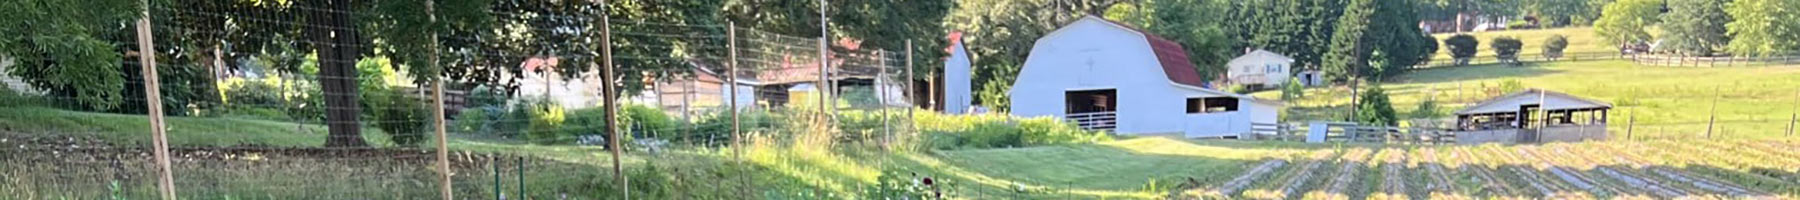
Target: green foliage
point(1373, 107)
point(1763, 27)
point(634, 121)
point(483, 96)
point(1695, 27)
point(546, 122)
point(1556, 12)
point(1348, 47)
point(957, 132)
point(1293, 90)
point(1299, 29)
point(1511, 85)
point(1623, 22)
point(70, 48)
point(648, 120)
point(1462, 47)
point(1506, 49)
point(996, 96)
point(900, 185)
point(1427, 109)
point(403, 117)
point(1553, 47)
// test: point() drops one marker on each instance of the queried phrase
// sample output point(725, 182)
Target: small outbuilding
point(1260, 67)
point(1532, 116)
point(1104, 75)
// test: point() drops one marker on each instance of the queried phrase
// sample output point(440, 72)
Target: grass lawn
point(122, 129)
point(1581, 39)
point(1753, 102)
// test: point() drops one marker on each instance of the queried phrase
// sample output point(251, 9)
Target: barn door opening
point(1092, 109)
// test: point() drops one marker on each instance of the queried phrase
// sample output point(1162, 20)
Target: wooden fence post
point(1631, 124)
point(1712, 116)
point(153, 102)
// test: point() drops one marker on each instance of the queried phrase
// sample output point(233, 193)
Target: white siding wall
point(957, 89)
point(746, 96)
point(1091, 54)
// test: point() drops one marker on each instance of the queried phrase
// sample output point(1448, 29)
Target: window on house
point(1211, 105)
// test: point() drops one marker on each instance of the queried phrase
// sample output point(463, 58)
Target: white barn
point(957, 92)
point(1260, 67)
point(1105, 75)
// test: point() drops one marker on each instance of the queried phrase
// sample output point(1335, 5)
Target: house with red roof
point(1104, 75)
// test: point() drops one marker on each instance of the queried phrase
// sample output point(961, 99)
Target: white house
point(957, 92)
point(1260, 67)
point(1105, 75)
point(540, 80)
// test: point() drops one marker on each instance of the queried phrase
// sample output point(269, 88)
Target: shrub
point(1427, 109)
point(484, 96)
point(1506, 49)
point(993, 131)
point(546, 123)
point(1373, 107)
point(644, 119)
point(1553, 47)
point(1462, 47)
point(1510, 86)
point(1293, 90)
point(401, 116)
point(241, 93)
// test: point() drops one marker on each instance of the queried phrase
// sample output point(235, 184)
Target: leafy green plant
point(401, 116)
point(1553, 47)
point(1373, 108)
point(1462, 47)
point(1506, 49)
point(546, 125)
point(1293, 90)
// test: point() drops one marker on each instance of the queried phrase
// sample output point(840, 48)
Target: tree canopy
point(1623, 22)
point(1763, 27)
point(1695, 27)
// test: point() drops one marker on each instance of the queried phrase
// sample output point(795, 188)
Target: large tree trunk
point(336, 43)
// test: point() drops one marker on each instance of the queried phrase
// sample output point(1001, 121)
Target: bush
point(1462, 47)
point(401, 116)
point(994, 131)
point(1506, 49)
point(1553, 47)
point(1373, 108)
point(1293, 90)
point(546, 123)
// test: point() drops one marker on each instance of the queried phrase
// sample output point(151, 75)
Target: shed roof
point(1552, 100)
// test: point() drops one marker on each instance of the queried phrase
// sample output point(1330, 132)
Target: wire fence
point(285, 115)
point(1640, 58)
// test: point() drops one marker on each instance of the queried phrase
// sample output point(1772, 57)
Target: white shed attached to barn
point(1104, 75)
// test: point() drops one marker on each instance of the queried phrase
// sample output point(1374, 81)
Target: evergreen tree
point(1346, 56)
point(1373, 107)
point(1506, 49)
point(1462, 47)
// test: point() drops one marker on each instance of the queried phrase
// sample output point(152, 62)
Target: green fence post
point(521, 176)
point(496, 173)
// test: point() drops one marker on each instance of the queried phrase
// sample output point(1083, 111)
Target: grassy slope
point(1109, 170)
point(183, 131)
point(1670, 101)
point(1581, 39)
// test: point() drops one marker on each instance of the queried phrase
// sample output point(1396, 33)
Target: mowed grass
point(1666, 102)
point(125, 129)
point(1581, 40)
point(1111, 170)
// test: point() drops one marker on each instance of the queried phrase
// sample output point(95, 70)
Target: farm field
point(1663, 169)
point(1663, 102)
